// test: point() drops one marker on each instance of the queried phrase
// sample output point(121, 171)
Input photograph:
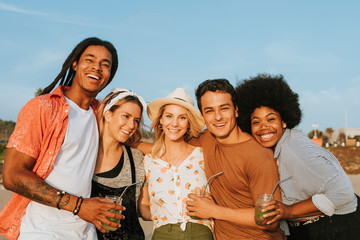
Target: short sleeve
point(137, 155)
point(28, 132)
point(263, 174)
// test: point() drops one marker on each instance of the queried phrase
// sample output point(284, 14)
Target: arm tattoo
point(37, 190)
point(65, 200)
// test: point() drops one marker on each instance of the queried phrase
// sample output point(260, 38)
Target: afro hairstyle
point(266, 90)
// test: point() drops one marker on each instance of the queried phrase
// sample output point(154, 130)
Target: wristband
point(62, 193)
point(77, 206)
point(81, 201)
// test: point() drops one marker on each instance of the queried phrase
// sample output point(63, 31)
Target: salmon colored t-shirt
point(248, 170)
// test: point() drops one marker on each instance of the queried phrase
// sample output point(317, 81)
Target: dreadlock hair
point(67, 72)
point(266, 90)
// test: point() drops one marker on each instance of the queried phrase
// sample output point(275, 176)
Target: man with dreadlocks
point(51, 154)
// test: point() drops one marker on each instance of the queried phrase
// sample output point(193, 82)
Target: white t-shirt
point(72, 172)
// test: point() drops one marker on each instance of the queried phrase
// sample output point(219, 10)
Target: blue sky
point(167, 44)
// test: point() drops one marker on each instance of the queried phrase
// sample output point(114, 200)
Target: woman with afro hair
point(318, 200)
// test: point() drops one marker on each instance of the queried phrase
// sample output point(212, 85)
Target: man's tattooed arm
point(18, 177)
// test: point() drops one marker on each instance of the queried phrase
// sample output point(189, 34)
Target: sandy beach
point(147, 226)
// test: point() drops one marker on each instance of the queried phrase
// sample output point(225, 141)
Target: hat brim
point(153, 108)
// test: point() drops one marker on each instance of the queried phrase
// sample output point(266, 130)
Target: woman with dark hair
point(318, 199)
point(118, 165)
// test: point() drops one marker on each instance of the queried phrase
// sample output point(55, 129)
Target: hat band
point(180, 99)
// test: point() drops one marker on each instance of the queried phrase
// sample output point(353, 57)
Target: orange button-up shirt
point(39, 133)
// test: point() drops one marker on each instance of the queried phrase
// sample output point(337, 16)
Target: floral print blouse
point(170, 185)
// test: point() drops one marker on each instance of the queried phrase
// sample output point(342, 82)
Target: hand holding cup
point(116, 200)
point(259, 206)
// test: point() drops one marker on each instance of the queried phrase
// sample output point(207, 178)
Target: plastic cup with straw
point(117, 200)
point(261, 203)
point(202, 192)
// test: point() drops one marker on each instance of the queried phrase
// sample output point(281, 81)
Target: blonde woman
point(173, 169)
point(117, 164)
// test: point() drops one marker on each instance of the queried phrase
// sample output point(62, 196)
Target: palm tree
point(329, 131)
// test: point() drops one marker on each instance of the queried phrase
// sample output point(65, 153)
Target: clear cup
point(112, 199)
point(199, 193)
point(259, 205)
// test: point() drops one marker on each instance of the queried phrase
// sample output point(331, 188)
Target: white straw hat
point(179, 97)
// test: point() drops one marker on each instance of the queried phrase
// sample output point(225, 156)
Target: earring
point(284, 125)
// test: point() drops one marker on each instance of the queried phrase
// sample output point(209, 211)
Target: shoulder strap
point(133, 175)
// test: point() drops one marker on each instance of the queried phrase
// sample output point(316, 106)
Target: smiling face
point(123, 122)
point(267, 126)
point(93, 69)
point(174, 122)
point(219, 114)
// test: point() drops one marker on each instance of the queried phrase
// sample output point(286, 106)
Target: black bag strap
point(133, 173)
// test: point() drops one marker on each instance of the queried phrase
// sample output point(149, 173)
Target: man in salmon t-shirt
point(51, 154)
point(248, 168)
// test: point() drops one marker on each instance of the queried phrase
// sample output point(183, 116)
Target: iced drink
point(259, 205)
point(200, 193)
point(117, 200)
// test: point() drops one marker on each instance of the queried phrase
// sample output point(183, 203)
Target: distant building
point(349, 132)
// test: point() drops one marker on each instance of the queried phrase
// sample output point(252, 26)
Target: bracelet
point(62, 193)
point(77, 207)
point(81, 201)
